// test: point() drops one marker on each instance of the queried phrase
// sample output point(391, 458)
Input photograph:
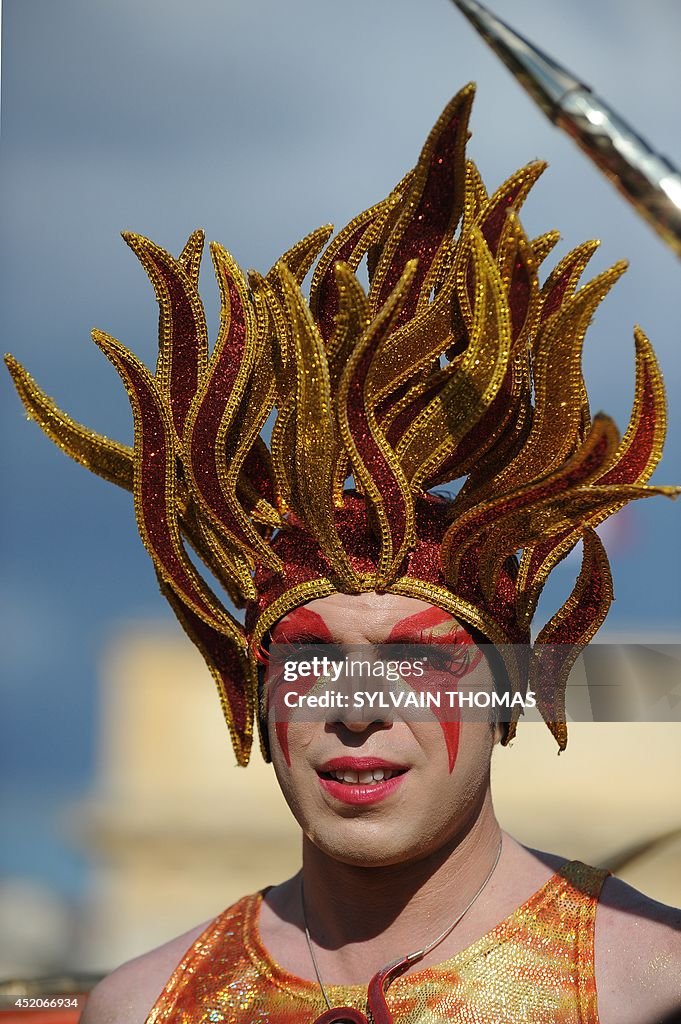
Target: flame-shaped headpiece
point(456, 365)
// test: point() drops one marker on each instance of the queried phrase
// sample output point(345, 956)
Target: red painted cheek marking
point(282, 713)
point(281, 731)
point(299, 626)
point(436, 626)
point(276, 691)
point(452, 731)
point(449, 718)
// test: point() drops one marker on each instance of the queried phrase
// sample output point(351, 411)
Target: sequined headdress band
point(455, 365)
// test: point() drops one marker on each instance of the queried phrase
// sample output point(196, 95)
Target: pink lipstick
point(360, 780)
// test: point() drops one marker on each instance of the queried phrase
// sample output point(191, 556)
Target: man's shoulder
point(638, 955)
point(127, 995)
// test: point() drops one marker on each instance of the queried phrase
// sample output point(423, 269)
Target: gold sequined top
point(535, 967)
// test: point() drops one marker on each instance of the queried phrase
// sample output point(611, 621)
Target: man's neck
point(361, 916)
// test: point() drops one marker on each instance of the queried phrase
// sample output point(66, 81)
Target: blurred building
point(177, 832)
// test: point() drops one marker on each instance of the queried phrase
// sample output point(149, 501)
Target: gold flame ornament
point(456, 365)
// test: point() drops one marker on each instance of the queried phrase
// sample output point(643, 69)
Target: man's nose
point(359, 725)
point(360, 722)
point(357, 717)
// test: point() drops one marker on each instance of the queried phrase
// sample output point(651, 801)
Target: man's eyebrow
point(436, 633)
point(302, 636)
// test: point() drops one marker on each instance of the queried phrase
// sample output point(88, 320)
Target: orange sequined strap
point(535, 967)
point(586, 884)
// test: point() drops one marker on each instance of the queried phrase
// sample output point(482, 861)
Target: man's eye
point(312, 650)
point(452, 658)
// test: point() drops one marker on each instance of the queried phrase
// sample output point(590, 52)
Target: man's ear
point(500, 731)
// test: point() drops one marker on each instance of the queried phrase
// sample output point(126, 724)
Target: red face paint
point(301, 626)
point(429, 626)
point(436, 626)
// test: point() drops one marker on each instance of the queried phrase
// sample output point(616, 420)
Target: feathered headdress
point(455, 364)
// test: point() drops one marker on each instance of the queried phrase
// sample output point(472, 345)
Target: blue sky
point(259, 121)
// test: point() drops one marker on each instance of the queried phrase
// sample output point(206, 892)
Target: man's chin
point(367, 851)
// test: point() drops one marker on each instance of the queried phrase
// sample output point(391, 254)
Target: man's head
point(435, 771)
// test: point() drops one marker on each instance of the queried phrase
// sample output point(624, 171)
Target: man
point(454, 366)
point(383, 878)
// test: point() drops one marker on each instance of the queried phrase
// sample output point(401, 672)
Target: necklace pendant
point(380, 1014)
point(341, 1015)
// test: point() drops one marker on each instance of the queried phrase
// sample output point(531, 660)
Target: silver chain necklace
point(397, 966)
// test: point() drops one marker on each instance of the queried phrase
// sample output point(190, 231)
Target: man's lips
point(360, 780)
point(360, 764)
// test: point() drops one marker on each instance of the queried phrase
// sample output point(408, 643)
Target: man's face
point(437, 771)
